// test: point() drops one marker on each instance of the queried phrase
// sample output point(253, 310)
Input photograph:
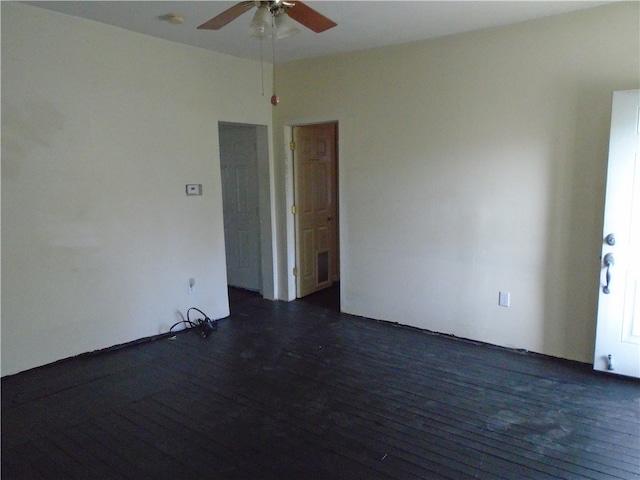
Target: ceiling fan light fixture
point(285, 26)
point(261, 23)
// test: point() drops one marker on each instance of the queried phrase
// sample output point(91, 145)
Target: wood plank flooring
point(299, 391)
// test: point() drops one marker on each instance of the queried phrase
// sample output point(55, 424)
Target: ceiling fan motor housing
point(297, 10)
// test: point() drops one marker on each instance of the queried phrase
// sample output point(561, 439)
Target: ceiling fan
point(272, 17)
point(297, 10)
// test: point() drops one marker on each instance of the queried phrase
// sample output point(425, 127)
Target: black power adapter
point(203, 326)
point(206, 327)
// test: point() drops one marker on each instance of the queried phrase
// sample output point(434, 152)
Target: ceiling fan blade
point(308, 17)
point(227, 16)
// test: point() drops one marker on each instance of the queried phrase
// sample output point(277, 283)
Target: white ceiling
point(361, 24)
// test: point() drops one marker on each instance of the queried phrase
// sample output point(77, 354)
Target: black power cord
point(204, 326)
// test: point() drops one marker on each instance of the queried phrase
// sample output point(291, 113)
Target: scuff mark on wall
point(25, 127)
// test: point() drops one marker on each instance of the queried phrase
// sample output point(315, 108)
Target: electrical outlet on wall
point(192, 286)
point(504, 299)
point(194, 189)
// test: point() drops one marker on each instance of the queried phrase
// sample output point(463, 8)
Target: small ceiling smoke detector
point(174, 18)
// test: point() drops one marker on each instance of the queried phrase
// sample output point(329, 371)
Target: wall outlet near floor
point(192, 286)
point(194, 189)
point(504, 299)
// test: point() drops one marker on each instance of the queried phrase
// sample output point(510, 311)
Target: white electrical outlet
point(194, 189)
point(192, 286)
point(504, 299)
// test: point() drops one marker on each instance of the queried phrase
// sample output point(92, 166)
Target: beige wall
point(101, 131)
point(472, 164)
point(468, 164)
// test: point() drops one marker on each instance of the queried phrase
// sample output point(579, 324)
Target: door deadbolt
point(610, 239)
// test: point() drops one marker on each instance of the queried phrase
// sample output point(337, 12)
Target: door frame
point(290, 239)
point(265, 193)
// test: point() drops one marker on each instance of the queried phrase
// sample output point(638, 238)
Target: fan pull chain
point(261, 67)
point(275, 100)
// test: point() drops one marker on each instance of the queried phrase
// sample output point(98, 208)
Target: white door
point(618, 332)
point(239, 169)
point(316, 193)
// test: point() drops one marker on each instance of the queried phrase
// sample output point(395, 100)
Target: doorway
point(243, 148)
point(315, 182)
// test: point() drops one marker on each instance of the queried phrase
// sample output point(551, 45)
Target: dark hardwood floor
point(299, 391)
